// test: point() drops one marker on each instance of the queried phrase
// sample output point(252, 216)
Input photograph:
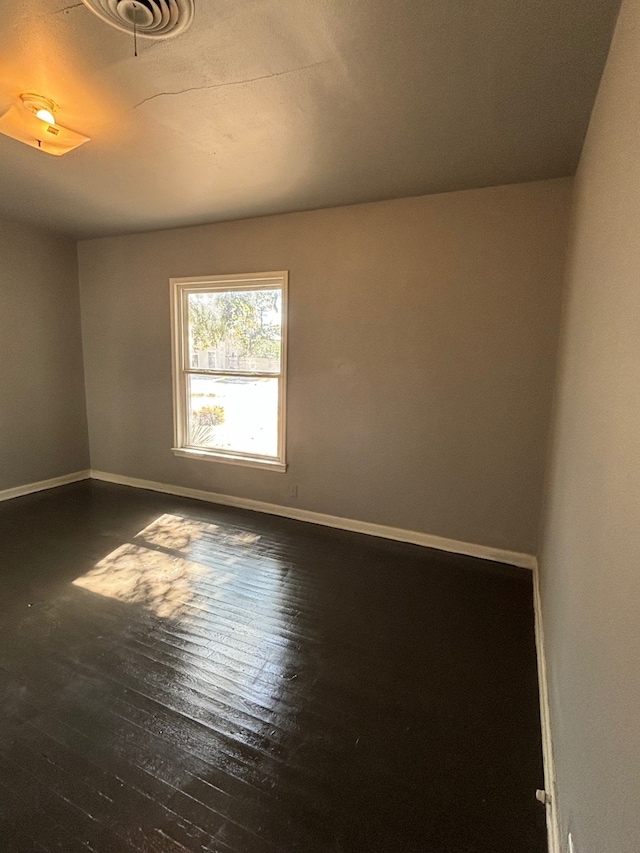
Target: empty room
point(320, 426)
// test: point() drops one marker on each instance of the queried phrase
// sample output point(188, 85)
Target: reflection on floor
point(181, 677)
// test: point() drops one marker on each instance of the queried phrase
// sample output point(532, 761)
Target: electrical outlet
point(572, 847)
point(293, 492)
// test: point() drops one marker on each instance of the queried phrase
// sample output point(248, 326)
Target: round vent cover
point(159, 19)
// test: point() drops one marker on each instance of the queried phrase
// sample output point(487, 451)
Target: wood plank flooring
point(176, 676)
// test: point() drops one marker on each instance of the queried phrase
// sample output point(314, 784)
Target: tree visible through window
point(229, 367)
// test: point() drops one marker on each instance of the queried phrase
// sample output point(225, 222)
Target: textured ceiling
point(266, 106)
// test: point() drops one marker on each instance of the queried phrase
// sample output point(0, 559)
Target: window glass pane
point(235, 330)
point(234, 413)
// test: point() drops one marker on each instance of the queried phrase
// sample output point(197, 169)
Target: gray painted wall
point(422, 343)
point(43, 425)
point(591, 554)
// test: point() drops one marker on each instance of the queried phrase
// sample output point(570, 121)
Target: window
point(229, 368)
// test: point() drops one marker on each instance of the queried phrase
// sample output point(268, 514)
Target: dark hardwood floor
point(176, 676)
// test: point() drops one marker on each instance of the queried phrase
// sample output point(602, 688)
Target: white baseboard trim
point(513, 558)
point(29, 488)
point(553, 824)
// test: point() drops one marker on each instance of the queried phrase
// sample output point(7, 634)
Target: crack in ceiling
point(230, 82)
point(68, 8)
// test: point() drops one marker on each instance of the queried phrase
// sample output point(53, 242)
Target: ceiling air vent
point(157, 19)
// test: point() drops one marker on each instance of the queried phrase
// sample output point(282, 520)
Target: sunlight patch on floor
point(152, 572)
point(137, 575)
point(179, 534)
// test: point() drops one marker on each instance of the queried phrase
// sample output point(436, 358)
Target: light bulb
point(46, 115)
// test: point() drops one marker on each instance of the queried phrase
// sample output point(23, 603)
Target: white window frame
point(181, 368)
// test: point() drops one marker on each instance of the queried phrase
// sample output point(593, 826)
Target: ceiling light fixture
point(33, 122)
point(154, 19)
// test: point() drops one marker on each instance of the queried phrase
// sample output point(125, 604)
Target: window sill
point(229, 459)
